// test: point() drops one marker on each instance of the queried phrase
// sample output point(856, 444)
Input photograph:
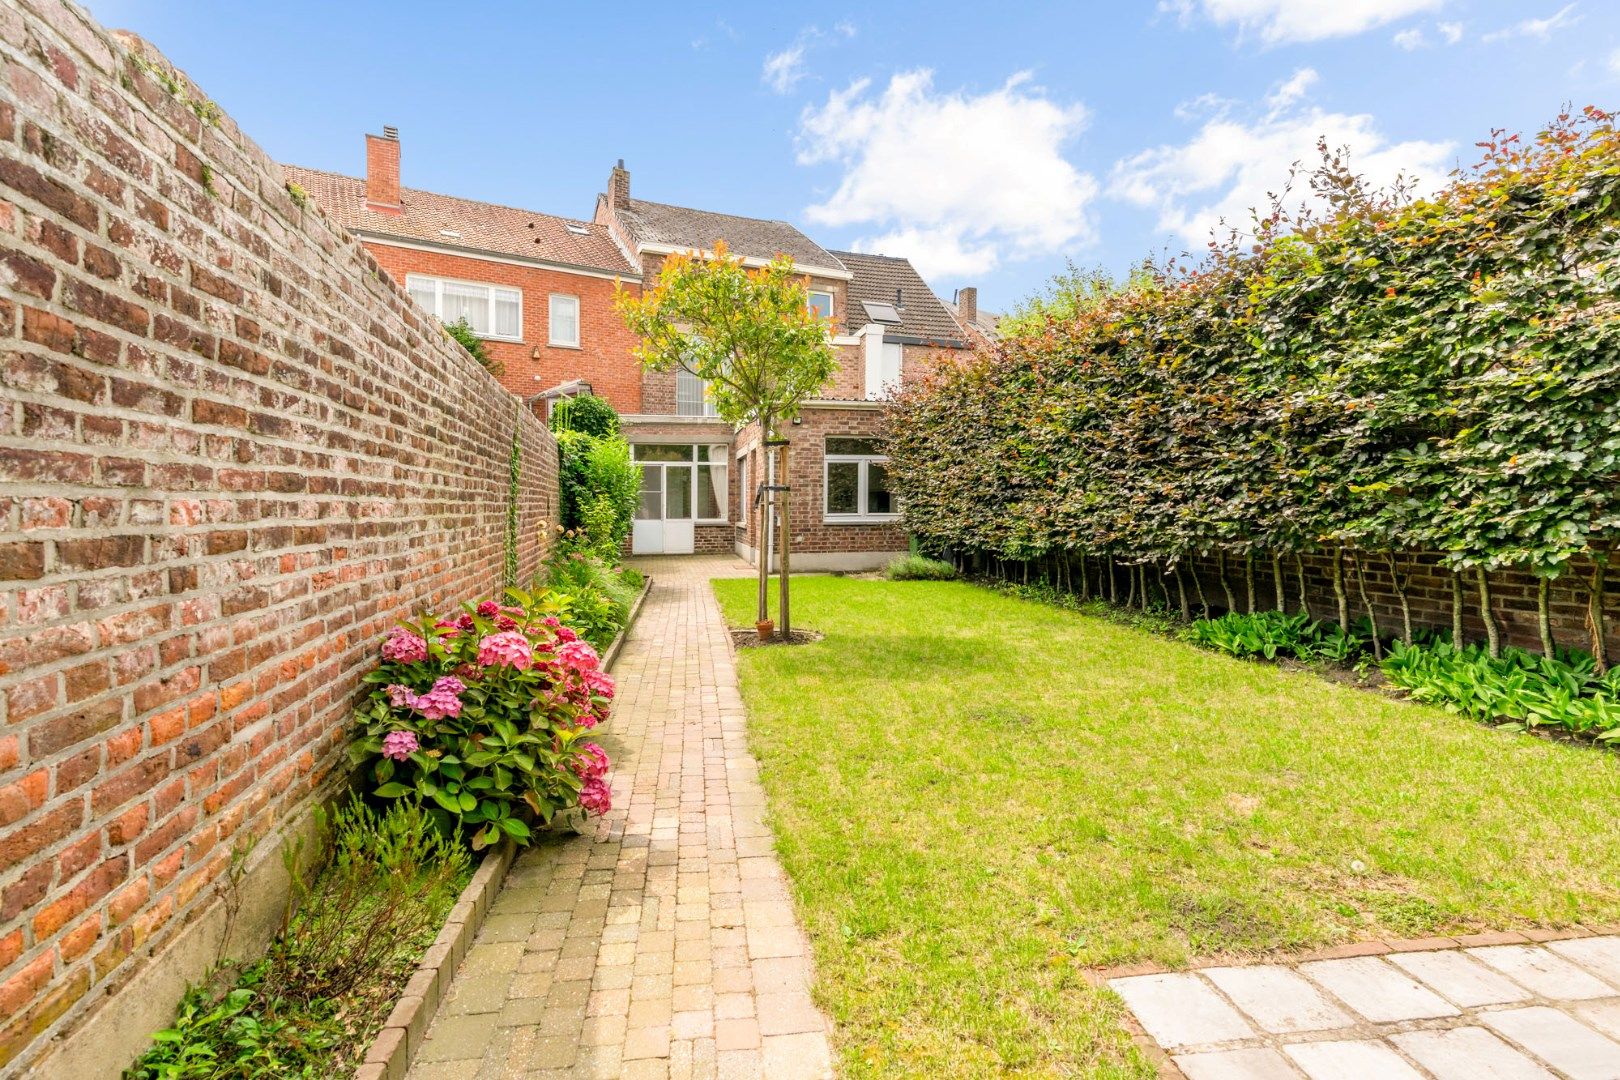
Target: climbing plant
point(1382, 375)
point(512, 492)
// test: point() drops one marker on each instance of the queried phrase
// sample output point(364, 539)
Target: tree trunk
point(1397, 581)
point(1493, 639)
point(1181, 595)
point(762, 547)
point(1299, 575)
point(1277, 582)
point(1248, 580)
point(1338, 589)
point(785, 525)
point(1203, 602)
point(1594, 619)
point(1456, 609)
point(1085, 578)
point(1544, 614)
point(1141, 572)
point(1113, 580)
point(1130, 575)
point(1372, 616)
point(1220, 571)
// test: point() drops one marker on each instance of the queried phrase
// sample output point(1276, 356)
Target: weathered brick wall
point(232, 454)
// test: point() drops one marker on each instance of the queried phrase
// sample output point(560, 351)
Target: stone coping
point(391, 1051)
point(1167, 1069)
point(616, 646)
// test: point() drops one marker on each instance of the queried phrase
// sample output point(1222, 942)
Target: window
point(691, 395)
point(681, 482)
point(491, 311)
point(821, 303)
point(744, 495)
point(564, 320)
point(857, 481)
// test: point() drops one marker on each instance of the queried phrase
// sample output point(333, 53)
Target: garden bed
point(611, 653)
point(979, 799)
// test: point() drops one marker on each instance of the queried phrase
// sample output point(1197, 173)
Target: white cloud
point(1232, 164)
point(1540, 29)
point(783, 70)
point(956, 182)
point(1278, 21)
point(1410, 39)
point(1451, 31)
point(1292, 89)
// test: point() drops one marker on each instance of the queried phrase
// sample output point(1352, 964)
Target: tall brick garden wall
point(232, 454)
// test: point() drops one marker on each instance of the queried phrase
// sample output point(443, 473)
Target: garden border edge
point(616, 646)
point(390, 1053)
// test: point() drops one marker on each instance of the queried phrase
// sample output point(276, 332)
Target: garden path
point(664, 942)
point(1496, 1005)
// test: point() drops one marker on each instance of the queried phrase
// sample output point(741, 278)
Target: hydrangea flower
point(451, 629)
point(600, 682)
point(506, 647)
point(400, 696)
point(578, 655)
point(594, 764)
point(404, 647)
point(505, 622)
point(441, 701)
point(594, 796)
point(489, 609)
point(565, 634)
point(399, 745)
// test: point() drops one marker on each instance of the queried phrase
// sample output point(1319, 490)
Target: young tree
point(750, 334)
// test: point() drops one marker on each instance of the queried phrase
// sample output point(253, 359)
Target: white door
point(647, 531)
point(678, 528)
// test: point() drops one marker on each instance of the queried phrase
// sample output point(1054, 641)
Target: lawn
point(979, 797)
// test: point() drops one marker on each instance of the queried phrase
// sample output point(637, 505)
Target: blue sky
point(988, 142)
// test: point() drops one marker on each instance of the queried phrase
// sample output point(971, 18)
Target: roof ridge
point(457, 198)
point(723, 213)
point(871, 255)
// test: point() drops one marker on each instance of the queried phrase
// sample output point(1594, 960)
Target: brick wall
point(232, 453)
point(603, 358)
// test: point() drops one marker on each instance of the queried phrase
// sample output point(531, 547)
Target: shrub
point(464, 335)
point(600, 485)
point(919, 568)
point(482, 718)
point(1271, 634)
point(598, 595)
point(586, 414)
point(1517, 689)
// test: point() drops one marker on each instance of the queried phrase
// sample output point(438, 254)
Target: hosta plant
point(483, 718)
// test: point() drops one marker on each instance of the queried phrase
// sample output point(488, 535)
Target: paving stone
point(1543, 971)
point(1558, 1039)
point(1376, 990)
point(1603, 1015)
point(1599, 955)
point(1467, 1053)
point(1276, 999)
point(457, 1038)
point(1460, 978)
point(1353, 1059)
point(1253, 1064)
point(795, 1057)
point(1180, 1010)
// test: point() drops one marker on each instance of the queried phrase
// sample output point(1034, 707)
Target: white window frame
point(744, 496)
point(861, 517)
point(551, 321)
point(707, 403)
point(722, 494)
point(832, 299)
point(437, 311)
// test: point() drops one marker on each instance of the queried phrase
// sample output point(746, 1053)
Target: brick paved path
point(664, 944)
point(1498, 1010)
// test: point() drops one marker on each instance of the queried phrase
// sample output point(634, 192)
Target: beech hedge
point(1387, 375)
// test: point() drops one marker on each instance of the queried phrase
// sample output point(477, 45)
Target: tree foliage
point(462, 333)
point(1388, 375)
point(585, 413)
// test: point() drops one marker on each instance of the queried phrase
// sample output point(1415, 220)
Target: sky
point(990, 143)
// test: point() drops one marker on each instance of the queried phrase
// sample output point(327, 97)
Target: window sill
point(871, 519)
point(560, 345)
point(496, 337)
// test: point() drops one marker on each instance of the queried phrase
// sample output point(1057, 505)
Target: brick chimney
point(967, 303)
point(619, 186)
point(382, 171)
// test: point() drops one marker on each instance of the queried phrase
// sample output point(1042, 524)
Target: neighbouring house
point(537, 287)
point(979, 326)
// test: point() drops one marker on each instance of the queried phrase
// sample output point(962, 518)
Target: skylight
point(576, 228)
point(880, 311)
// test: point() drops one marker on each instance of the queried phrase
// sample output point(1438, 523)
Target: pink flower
point(505, 622)
point(566, 634)
point(552, 621)
point(398, 745)
point(578, 655)
point(600, 682)
point(441, 701)
point(450, 629)
point(595, 797)
point(507, 647)
point(593, 763)
point(400, 696)
point(404, 647)
point(489, 609)
point(465, 621)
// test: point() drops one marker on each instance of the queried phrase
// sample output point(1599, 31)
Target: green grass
point(979, 797)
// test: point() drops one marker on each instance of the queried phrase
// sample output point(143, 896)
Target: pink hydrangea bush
point(482, 718)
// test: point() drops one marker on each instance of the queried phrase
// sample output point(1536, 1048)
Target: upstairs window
point(564, 320)
point(491, 311)
point(691, 395)
point(821, 303)
point(856, 482)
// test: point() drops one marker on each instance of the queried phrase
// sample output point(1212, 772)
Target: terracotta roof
point(501, 230)
point(879, 279)
point(985, 323)
point(683, 227)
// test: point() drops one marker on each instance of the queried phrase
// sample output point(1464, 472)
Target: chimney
point(967, 303)
point(382, 171)
point(619, 186)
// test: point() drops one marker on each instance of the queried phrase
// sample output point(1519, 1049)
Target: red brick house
point(539, 288)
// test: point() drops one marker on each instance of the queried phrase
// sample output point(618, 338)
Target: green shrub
point(586, 414)
point(462, 333)
point(1517, 689)
point(598, 477)
point(919, 568)
point(1270, 634)
point(598, 594)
